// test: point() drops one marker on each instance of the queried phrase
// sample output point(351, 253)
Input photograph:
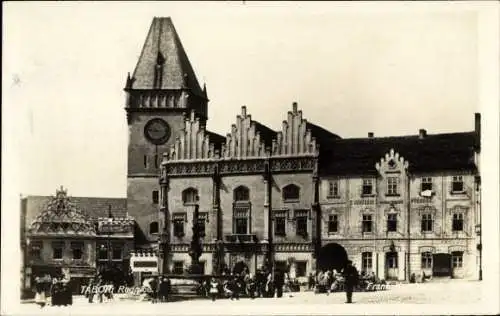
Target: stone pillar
point(381, 266)
point(402, 265)
point(293, 270)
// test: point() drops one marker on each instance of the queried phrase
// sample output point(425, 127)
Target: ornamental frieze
point(292, 164)
point(363, 202)
point(195, 168)
point(293, 247)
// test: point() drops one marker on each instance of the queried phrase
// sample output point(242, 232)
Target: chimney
point(477, 123)
point(370, 135)
point(422, 133)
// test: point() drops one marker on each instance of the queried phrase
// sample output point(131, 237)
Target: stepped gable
point(62, 217)
point(194, 142)
point(434, 152)
point(248, 138)
point(163, 62)
point(299, 137)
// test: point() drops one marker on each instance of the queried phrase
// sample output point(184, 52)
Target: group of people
point(333, 280)
point(160, 289)
point(58, 288)
point(98, 281)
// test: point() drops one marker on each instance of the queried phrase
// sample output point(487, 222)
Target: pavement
point(458, 297)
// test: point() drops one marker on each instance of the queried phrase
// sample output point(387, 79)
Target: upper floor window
point(291, 192)
point(241, 194)
point(190, 196)
point(155, 196)
point(333, 224)
point(426, 222)
point(241, 220)
point(145, 161)
point(457, 184)
point(426, 184)
point(392, 222)
point(458, 222)
point(102, 252)
point(392, 186)
point(367, 187)
point(77, 250)
point(301, 223)
point(280, 224)
point(333, 188)
point(367, 223)
point(202, 219)
point(116, 253)
point(153, 228)
point(57, 250)
point(178, 267)
point(36, 249)
point(178, 223)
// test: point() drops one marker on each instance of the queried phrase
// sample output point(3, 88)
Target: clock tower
point(161, 91)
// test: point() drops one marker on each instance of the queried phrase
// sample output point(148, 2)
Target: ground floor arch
point(332, 256)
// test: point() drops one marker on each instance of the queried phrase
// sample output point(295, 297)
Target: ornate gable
point(392, 162)
point(295, 139)
point(61, 217)
point(245, 140)
point(193, 143)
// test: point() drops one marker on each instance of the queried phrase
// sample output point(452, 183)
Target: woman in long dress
point(54, 292)
point(40, 292)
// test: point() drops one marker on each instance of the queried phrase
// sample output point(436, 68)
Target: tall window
point(77, 250)
point(458, 222)
point(202, 219)
point(392, 186)
point(153, 228)
point(145, 161)
point(36, 249)
point(280, 224)
point(155, 197)
point(333, 188)
point(190, 196)
point(178, 267)
point(291, 193)
point(426, 222)
point(366, 261)
point(301, 223)
point(392, 222)
point(116, 253)
point(57, 250)
point(426, 260)
point(241, 194)
point(178, 221)
point(367, 223)
point(367, 187)
point(457, 258)
point(333, 224)
point(426, 184)
point(457, 184)
point(102, 252)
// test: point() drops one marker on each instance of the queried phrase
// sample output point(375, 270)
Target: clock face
point(157, 131)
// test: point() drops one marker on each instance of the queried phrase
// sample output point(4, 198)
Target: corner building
point(300, 197)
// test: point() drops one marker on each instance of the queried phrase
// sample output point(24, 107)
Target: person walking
point(214, 289)
point(154, 289)
point(40, 292)
point(351, 279)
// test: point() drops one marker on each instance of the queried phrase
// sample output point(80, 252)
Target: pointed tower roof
point(163, 63)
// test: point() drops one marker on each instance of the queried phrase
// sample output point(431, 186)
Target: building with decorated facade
point(300, 197)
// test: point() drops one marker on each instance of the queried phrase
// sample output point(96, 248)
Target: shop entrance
point(441, 265)
point(332, 256)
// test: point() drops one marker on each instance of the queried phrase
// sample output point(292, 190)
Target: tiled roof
point(216, 139)
point(438, 152)
point(322, 135)
point(266, 134)
point(163, 47)
point(94, 207)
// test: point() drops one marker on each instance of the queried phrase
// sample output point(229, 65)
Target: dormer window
point(391, 164)
point(457, 185)
point(367, 187)
point(333, 188)
point(392, 186)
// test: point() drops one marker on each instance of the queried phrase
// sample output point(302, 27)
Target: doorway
point(239, 267)
point(391, 265)
point(332, 256)
point(441, 266)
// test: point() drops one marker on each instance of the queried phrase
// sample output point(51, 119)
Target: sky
point(351, 70)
